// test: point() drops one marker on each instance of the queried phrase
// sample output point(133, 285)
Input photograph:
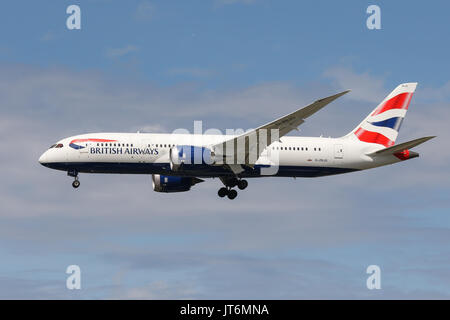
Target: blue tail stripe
point(393, 123)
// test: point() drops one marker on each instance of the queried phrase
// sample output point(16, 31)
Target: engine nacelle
point(173, 183)
point(189, 157)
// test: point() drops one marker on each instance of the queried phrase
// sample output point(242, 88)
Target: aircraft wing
point(246, 148)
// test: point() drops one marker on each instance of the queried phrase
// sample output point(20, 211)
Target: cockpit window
point(52, 146)
point(59, 145)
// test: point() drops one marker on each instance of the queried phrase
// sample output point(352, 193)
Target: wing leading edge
point(246, 148)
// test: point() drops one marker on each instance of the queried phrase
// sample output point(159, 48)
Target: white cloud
point(365, 87)
point(151, 128)
point(435, 94)
point(159, 290)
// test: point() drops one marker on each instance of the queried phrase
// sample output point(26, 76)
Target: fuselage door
point(338, 151)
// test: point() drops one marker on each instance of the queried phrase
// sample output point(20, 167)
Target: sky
point(155, 66)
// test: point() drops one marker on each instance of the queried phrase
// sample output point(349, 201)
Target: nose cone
point(43, 158)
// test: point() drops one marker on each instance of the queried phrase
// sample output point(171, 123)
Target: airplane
point(179, 161)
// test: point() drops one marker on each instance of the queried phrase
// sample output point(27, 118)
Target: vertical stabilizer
point(382, 125)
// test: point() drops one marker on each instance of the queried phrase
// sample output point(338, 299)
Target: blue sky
point(160, 65)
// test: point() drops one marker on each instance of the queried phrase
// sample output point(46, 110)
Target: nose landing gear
point(76, 183)
point(74, 174)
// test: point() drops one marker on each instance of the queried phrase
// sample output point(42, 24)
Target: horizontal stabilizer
point(400, 147)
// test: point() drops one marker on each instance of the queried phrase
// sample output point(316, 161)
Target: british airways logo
point(73, 143)
point(111, 149)
point(120, 150)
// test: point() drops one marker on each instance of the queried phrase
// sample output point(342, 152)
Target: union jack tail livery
point(381, 126)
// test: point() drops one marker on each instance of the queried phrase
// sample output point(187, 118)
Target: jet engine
point(189, 157)
point(173, 183)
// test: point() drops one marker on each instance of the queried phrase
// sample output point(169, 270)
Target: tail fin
point(381, 126)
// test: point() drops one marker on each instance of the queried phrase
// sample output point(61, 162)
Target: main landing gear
point(231, 193)
point(74, 174)
point(229, 184)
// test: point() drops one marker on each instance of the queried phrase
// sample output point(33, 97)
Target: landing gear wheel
point(76, 184)
point(222, 192)
point(242, 184)
point(232, 194)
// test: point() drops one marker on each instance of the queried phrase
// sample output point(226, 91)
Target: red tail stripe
point(373, 137)
point(400, 101)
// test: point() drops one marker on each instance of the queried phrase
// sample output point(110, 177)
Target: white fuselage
point(149, 153)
